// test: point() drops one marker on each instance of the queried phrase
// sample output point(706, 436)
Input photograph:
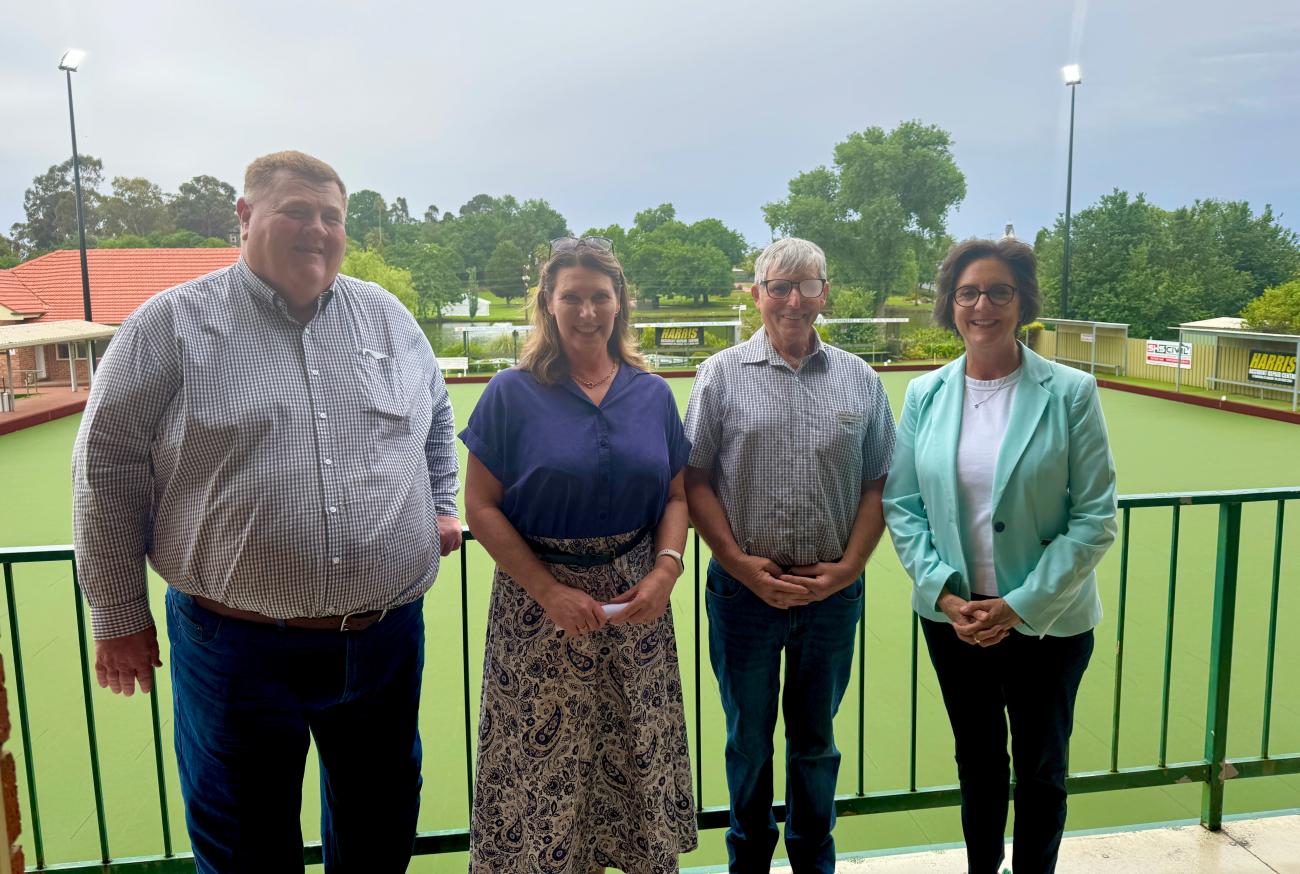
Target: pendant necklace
point(984, 400)
point(604, 379)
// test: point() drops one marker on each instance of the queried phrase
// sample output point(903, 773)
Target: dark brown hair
point(1018, 257)
point(543, 353)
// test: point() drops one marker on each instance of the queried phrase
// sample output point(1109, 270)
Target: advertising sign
point(685, 335)
point(1166, 353)
point(1275, 368)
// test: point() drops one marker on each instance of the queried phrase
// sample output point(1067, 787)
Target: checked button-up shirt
point(788, 451)
point(292, 470)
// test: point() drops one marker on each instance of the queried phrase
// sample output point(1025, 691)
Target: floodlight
point(1072, 74)
point(72, 59)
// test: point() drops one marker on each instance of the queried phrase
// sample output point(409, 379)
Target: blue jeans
point(248, 696)
point(746, 637)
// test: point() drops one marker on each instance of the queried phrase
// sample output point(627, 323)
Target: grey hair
point(790, 255)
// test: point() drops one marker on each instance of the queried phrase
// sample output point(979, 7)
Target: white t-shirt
point(985, 412)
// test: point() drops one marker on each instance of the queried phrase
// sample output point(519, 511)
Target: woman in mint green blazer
point(1001, 502)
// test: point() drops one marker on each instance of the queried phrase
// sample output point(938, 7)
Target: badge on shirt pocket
point(850, 420)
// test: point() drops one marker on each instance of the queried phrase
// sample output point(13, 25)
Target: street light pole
point(1073, 77)
point(69, 63)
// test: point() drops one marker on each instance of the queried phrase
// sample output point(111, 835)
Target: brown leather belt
point(358, 621)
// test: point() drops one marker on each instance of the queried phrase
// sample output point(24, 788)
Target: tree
point(435, 273)
point(648, 220)
point(1135, 263)
point(371, 267)
point(712, 232)
point(51, 207)
point(887, 192)
point(1276, 311)
point(136, 207)
point(367, 212)
point(8, 253)
point(172, 240)
point(505, 271)
point(399, 213)
point(206, 206)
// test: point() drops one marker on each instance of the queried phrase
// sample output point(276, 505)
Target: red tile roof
point(120, 279)
point(16, 296)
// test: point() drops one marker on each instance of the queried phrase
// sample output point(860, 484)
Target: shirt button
point(335, 560)
point(329, 461)
point(321, 416)
point(333, 509)
point(306, 330)
point(999, 527)
point(314, 372)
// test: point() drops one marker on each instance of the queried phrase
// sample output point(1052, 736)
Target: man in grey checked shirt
point(277, 440)
point(791, 441)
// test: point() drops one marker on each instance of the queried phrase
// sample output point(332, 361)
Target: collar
point(263, 293)
point(759, 349)
point(1033, 367)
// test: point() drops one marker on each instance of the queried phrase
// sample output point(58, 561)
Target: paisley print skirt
point(582, 751)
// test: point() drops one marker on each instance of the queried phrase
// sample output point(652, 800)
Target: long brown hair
point(543, 354)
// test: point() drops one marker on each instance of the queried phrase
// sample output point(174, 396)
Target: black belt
point(549, 555)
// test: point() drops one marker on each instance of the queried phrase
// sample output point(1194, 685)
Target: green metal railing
point(1211, 771)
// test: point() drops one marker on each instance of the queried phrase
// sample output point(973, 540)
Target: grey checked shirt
point(789, 451)
point(286, 469)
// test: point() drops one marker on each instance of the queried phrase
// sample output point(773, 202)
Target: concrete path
point(1267, 845)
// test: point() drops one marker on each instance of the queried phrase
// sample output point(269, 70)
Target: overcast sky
point(607, 108)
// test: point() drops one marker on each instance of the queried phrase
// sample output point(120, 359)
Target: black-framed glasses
point(573, 244)
point(998, 295)
point(781, 288)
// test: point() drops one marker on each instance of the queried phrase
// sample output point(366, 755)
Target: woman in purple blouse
point(574, 487)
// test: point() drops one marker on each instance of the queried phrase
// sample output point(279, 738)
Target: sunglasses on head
point(573, 244)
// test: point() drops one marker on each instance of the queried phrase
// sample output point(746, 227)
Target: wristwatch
point(681, 565)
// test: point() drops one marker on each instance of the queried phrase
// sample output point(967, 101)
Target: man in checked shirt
point(791, 439)
point(277, 440)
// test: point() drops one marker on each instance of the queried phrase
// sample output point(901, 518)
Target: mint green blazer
point(1053, 496)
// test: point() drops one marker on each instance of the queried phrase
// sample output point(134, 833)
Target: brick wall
point(11, 856)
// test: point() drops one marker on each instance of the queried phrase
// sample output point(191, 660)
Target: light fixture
point(71, 59)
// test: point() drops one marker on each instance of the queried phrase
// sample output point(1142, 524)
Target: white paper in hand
point(613, 609)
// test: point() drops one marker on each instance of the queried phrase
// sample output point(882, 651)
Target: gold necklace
point(604, 379)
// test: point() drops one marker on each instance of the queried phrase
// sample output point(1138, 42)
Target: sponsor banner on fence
point(680, 336)
point(1166, 353)
point(1277, 368)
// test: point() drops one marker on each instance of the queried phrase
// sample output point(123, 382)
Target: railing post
point(1216, 717)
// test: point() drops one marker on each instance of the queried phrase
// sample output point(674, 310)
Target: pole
point(1069, 182)
point(81, 228)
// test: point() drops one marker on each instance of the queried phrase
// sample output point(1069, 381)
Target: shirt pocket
point(379, 380)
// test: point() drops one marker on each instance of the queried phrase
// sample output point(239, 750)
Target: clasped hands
point(801, 585)
point(576, 613)
point(979, 623)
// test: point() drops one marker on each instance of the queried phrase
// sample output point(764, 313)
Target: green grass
point(1158, 445)
point(1236, 394)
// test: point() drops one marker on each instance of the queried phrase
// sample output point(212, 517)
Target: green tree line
point(880, 209)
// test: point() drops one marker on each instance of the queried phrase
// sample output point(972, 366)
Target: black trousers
point(1034, 682)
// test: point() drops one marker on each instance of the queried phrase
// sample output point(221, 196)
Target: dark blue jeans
point(248, 696)
point(746, 639)
point(1034, 683)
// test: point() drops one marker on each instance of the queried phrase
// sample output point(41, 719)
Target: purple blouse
point(572, 469)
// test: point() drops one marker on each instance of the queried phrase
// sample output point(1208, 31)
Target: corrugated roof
point(42, 333)
point(120, 279)
point(15, 295)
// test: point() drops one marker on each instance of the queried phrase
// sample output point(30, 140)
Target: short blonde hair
point(261, 173)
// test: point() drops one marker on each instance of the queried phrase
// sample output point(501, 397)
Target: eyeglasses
point(572, 244)
point(781, 288)
point(998, 295)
